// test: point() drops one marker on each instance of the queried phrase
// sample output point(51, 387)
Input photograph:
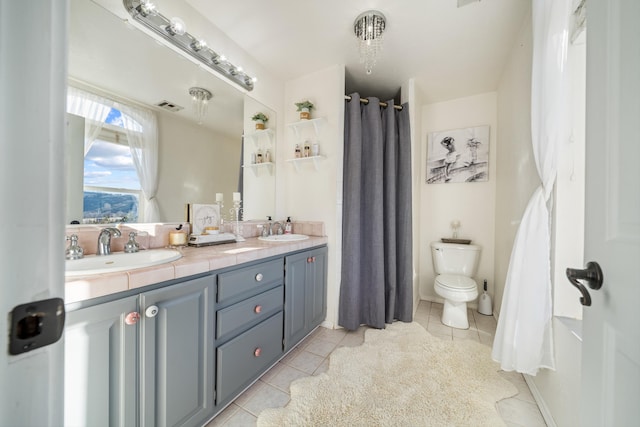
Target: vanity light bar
point(145, 12)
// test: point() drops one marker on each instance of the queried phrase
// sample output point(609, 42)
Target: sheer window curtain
point(92, 108)
point(524, 338)
point(376, 285)
point(144, 151)
point(141, 127)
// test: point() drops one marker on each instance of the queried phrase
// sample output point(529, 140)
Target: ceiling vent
point(169, 106)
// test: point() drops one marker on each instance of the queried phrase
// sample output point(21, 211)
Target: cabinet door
point(177, 358)
point(316, 288)
point(100, 365)
point(294, 299)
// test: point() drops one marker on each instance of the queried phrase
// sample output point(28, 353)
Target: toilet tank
point(452, 258)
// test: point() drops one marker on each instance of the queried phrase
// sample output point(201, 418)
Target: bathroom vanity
point(177, 352)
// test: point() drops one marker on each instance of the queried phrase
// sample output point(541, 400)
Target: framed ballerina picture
point(460, 155)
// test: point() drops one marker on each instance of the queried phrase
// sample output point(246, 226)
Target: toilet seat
point(457, 283)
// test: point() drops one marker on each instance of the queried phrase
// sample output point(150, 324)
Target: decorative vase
point(305, 114)
point(259, 124)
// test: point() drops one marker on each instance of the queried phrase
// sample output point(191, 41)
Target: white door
point(32, 104)
point(611, 343)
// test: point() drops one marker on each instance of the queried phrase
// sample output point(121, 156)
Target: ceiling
point(450, 51)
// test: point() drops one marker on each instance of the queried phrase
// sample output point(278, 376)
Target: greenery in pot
point(304, 104)
point(260, 116)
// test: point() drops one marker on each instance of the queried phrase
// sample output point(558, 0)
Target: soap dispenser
point(287, 226)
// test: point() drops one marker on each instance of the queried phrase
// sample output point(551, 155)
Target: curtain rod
point(366, 101)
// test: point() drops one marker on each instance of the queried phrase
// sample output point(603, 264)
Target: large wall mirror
point(110, 57)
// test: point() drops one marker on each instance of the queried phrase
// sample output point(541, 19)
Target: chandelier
point(200, 99)
point(369, 28)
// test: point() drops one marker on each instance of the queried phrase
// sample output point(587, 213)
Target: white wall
point(517, 177)
point(411, 94)
point(194, 164)
point(568, 244)
point(310, 194)
point(473, 204)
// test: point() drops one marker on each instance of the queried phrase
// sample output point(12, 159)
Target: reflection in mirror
point(110, 58)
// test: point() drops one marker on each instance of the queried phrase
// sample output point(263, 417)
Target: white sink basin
point(284, 238)
point(93, 264)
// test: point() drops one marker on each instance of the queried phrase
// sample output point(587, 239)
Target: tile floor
point(311, 357)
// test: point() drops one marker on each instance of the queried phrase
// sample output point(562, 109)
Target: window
point(112, 190)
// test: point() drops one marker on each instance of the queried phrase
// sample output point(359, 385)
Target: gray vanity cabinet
point(305, 294)
point(176, 354)
point(100, 365)
point(249, 325)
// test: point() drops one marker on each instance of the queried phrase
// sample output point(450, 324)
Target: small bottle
point(287, 226)
point(267, 156)
point(259, 156)
point(315, 149)
point(307, 149)
point(297, 152)
point(253, 158)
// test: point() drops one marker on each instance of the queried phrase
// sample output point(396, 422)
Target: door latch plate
point(36, 324)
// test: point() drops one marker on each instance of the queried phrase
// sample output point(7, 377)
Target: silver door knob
point(151, 311)
point(259, 277)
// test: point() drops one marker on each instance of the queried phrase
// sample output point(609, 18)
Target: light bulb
point(198, 45)
point(147, 8)
point(176, 27)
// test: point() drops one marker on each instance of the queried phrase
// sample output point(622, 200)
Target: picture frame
point(204, 218)
point(458, 155)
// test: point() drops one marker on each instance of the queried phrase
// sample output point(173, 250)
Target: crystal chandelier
point(369, 28)
point(200, 98)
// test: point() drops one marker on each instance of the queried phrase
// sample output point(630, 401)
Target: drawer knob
point(132, 318)
point(259, 277)
point(257, 309)
point(257, 352)
point(309, 260)
point(151, 311)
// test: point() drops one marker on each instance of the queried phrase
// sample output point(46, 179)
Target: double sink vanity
point(176, 342)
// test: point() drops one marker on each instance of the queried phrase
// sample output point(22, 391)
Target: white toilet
point(455, 264)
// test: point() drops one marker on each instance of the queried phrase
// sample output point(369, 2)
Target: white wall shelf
point(257, 135)
point(296, 162)
point(256, 167)
point(302, 124)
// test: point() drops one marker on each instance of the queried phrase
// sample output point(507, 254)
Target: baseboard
point(537, 396)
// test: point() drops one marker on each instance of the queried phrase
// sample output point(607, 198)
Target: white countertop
point(194, 261)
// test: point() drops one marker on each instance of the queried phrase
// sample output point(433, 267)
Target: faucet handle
point(132, 246)
point(74, 251)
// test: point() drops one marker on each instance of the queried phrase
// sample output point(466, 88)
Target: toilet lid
point(456, 283)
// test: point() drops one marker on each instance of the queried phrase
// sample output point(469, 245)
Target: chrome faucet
point(280, 230)
point(104, 240)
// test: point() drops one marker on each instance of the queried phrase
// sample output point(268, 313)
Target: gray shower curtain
point(376, 285)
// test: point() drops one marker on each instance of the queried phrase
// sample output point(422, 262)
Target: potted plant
point(305, 109)
point(260, 119)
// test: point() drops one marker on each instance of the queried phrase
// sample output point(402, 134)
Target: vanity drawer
point(243, 358)
point(245, 279)
point(249, 311)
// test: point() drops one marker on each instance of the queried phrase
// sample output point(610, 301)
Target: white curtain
point(524, 339)
point(144, 151)
point(93, 108)
point(141, 127)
